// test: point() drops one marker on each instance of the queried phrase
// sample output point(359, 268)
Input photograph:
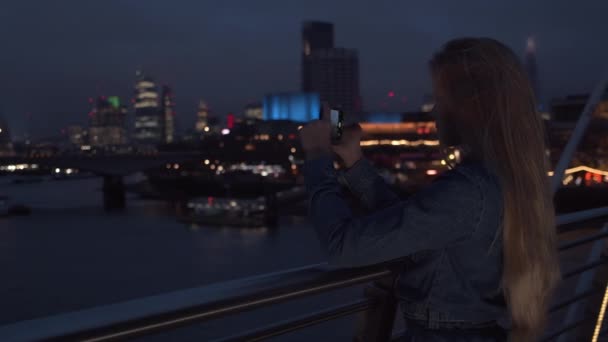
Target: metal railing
point(169, 311)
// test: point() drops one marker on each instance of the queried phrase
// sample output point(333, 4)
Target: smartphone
point(336, 119)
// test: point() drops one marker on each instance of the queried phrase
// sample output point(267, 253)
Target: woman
point(481, 239)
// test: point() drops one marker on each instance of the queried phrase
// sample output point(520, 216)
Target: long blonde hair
point(491, 111)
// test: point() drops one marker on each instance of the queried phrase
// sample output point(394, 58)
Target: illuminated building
point(331, 72)
point(254, 111)
point(532, 68)
point(77, 135)
point(202, 118)
point(148, 117)
point(300, 107)
point(168, 111)
point(107, 124)
point(281, 130)
point(6, 143)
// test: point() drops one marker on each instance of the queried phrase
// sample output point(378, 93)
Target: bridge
point(112, 168)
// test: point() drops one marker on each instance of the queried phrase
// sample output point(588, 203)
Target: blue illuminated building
point(292, 106)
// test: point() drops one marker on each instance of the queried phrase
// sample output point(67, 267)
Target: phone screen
point(336, 120)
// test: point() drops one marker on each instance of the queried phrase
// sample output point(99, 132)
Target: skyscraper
point(316, 36)
point(334, 75)
point(532, 68)
point(202, 118)
point(148, 117)
point(168, 112)
point(331, 72)
point(107, 124)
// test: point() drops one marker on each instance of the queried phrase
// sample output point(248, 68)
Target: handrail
point(162, 312)
point(580, 216)
point(588, 239)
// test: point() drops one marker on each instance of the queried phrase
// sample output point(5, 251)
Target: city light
point(206, 161)
point(431, 172)
point(206, 129)
point(293, 150)
point(225, 131)
point(451, 156)
point(57, 170)
point(401, 142)
point(600, 316)
point(585, 168)
point(176, 166)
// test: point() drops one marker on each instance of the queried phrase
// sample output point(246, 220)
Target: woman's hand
point(315, 138)
point(349, 148)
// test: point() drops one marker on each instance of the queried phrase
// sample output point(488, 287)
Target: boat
point(214, 211)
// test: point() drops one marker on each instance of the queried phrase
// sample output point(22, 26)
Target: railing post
point(376, 324)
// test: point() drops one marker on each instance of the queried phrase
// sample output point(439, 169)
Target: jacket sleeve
point(365, 184)
point(445, 212)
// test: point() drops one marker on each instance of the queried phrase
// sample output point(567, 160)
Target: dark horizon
point(57, 55)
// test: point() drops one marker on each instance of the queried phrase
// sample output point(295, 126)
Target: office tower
point(532, 68)
point(254, 111)
point(6, 143)
point(334, 75)
point(315, 36)
point(292, 106)
point(202, 118)
point(331, 72)
point(148, 117)
point(107, 125)
point(168, 112)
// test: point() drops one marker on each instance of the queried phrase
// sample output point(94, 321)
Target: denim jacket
point(449, 232)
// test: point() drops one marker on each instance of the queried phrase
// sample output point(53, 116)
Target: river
point(69, 255)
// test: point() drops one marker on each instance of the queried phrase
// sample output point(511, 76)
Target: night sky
point(56, 54)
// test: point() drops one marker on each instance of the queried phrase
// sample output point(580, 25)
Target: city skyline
point(233, 53)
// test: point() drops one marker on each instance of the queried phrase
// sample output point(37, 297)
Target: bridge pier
point(113, 192)
point(271, 214)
